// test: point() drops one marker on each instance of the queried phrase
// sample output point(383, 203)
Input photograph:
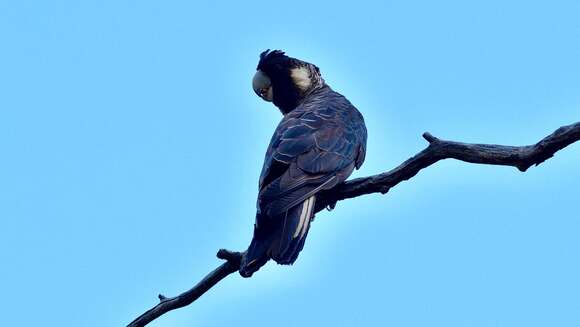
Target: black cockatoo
point(319, 142)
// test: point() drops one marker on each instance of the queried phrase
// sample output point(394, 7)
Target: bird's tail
point(294, 231)
point(282, 243)
point(257, 253)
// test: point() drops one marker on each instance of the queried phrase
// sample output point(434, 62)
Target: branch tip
point(228, 255)
point(523, 168)
point(430, 138)
point(222, 254)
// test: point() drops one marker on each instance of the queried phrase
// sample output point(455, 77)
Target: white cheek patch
point(301, 78)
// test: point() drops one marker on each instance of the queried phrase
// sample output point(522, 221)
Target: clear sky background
point(131, 144)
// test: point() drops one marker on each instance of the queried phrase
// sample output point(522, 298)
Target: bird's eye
point(261, 84)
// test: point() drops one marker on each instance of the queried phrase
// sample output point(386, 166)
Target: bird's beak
point(262, 85)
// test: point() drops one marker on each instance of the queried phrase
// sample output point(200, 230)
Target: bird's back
point(325, 124)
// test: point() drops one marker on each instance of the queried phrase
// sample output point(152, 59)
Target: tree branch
point(166, 304)
point(521, 157)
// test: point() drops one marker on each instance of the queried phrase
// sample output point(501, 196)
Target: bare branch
point(166, 304)
point(521, 157)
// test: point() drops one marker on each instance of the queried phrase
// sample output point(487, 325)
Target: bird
point(317, 145)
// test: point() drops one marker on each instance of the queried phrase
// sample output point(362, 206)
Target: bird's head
point(284, 80)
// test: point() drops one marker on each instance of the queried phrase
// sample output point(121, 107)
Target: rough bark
point(521, 157)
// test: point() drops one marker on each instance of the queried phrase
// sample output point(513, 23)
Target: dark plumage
point(319, 142)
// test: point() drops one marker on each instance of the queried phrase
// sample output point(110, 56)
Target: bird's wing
point(312, 149)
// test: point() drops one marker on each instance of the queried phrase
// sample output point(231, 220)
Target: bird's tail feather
point(257, 253)
point(283, 243)
point(294, 232)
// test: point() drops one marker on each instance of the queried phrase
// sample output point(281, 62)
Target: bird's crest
point(267, 56)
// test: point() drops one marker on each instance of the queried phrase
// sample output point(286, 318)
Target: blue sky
point(132, 143)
